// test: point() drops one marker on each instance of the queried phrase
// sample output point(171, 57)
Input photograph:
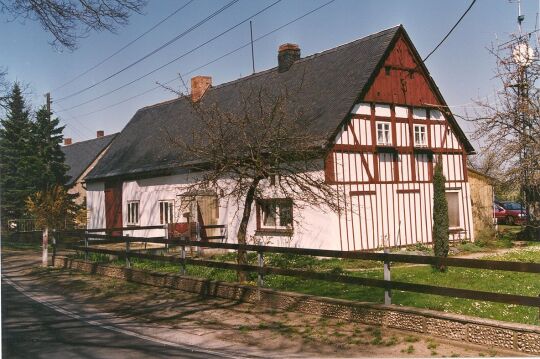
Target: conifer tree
point(440, 214)
point(49, 157)
point(16, 182)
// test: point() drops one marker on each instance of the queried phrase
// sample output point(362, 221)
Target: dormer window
point(383, 134)
point(420, 136)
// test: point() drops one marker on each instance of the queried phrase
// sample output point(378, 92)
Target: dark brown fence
point(89, 240)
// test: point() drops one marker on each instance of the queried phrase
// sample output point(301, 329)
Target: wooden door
point(208, 214)
point(113, 206)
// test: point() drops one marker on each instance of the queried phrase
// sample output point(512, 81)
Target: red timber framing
point(395, 197)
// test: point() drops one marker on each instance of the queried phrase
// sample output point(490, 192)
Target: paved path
point(33, 330)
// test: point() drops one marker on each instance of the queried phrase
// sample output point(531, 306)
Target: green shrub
point(440, 214)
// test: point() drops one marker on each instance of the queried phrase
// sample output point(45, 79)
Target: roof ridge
point(90, 139)
point(263, 72)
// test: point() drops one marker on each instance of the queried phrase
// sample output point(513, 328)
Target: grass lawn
point(491, 281)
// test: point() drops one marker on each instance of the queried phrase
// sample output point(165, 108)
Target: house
point(81, 157)
point(482, 197)
point(385, 121)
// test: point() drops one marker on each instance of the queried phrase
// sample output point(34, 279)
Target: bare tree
point(509, 125)
point(69, 20)
point(262, 148)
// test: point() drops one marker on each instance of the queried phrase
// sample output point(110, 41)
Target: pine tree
point(16, 182)
point(48, 155)
point(440, 214)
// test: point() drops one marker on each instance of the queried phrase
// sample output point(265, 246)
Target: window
point(275, 214)
point(420, 136)
point(383, 133)
point(453, 209)
point(133, 213)
point(166, 211)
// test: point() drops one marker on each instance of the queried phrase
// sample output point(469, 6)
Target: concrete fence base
point(490, 333)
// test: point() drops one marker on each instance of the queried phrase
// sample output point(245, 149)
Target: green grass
point(491, 281)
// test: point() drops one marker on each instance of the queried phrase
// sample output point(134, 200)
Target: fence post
point(260, 260)
point(387, 291)
point(183, 259)
point(128, 245)
point(166, 227)
point(45, 249)
point(85, 234)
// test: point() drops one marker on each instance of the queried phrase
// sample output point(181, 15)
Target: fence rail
point(263, 270)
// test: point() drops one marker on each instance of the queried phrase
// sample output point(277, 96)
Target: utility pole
point(523, 60)
point(48, 98)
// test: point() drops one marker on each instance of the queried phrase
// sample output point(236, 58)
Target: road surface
point(32, 330)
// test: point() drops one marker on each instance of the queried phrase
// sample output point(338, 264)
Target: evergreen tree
point(440, 214)
point(16, 182)
point(48, 155)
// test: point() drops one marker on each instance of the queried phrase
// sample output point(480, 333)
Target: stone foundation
point(491, 333)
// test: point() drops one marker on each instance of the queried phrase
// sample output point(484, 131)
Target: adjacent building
point(81, 157)
point(385, 122)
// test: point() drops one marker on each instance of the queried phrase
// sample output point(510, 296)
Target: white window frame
point(425, 142)
point(277, 202)
point(166, 211)
point(133, 213)
point(387, 129)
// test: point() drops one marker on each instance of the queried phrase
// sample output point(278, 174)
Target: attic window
point(387, 70)
point(436, 115)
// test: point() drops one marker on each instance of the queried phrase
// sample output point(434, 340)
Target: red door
point(113, 206)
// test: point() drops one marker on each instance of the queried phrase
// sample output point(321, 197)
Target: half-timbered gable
point(383, 155)
point(385, 122)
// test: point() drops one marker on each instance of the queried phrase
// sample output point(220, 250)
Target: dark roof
point(332, 82)
point(82, 154)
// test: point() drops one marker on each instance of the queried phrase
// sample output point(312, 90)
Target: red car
point(509, 212)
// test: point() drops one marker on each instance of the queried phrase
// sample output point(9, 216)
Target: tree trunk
point(241, 235)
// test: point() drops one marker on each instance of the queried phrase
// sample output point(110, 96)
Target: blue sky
point(462, 67)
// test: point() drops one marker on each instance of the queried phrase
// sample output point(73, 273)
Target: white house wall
point(95, 204)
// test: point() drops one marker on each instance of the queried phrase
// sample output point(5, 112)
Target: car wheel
point(510, 220)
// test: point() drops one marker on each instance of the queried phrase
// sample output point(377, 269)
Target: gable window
point(383, 134)
point(166, 211)
point(420, 135)
point(275, 213)
point(453, 209)
point(133, 213)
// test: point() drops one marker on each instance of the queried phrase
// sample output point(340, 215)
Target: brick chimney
point(100, 133)
point(67, 141)
point(199, 85)
point(287, 55)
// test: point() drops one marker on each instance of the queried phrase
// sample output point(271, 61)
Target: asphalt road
point(33, 330)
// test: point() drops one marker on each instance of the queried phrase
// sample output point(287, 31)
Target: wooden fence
point(89, 240)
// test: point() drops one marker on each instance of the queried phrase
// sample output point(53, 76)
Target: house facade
point(385, 122)
point(81, 158)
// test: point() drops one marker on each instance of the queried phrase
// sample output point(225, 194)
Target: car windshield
point(512, 206)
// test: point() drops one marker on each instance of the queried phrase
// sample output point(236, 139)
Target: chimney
point(287, 55)
point(100, 133)
point(199, 85)
point(67, 141)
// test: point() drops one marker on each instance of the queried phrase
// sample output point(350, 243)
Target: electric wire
point(176, 58)
point(210, 62)
point(449, 32)
point(153, 52)
point(125, 46)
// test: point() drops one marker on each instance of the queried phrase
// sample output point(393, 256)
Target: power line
point(449, 32)
point(210, 62)
point(176, 58)
point(176, 38)
point(125, 46)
